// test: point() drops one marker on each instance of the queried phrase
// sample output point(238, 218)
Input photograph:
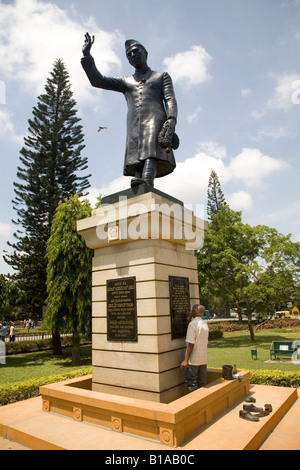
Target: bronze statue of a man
point(151, 117)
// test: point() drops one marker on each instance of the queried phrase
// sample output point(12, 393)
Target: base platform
point(170, 423)
point(24, 425)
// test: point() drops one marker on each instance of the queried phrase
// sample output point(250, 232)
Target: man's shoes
point(259, 412)
point(248, 416)
point(252, 408)
point(262, 414)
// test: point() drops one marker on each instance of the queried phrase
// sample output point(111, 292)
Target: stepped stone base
point(170, 423)
point(24, 425)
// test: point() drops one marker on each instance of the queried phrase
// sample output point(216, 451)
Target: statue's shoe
point(136, 182)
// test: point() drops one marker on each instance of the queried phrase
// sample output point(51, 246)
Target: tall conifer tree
point(51, 165)
point(215, 196)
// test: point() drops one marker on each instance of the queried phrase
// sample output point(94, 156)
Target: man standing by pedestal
point(195, 361)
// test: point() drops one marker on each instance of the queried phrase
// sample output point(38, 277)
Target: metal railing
point(34, 336)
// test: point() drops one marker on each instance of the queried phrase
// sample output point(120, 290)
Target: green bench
point(283, 348)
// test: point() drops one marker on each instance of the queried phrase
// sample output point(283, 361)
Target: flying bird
point(100, 128)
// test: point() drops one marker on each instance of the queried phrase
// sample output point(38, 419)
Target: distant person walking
point(12, 332)
point(3, 332)
point(195, 361)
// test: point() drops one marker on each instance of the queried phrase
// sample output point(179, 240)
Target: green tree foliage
point(249, 268)
point(215, 196)
point(11, 297)
point(51, 163)
point(69, 271)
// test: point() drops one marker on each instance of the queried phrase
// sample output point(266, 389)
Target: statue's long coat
point(150, 100)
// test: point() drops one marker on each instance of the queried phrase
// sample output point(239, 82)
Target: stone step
point(230, 432)
point(286, 435)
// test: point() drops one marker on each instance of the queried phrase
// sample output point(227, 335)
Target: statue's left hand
point(167, 136)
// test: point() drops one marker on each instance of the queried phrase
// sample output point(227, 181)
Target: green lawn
point(235, 348)
point(41, 364)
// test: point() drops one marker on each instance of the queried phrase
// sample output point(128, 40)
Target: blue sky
point(235, 65)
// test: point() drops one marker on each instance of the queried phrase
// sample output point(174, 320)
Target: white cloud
point(33, 34)
point(239, 201)
point(251, 166)
point(189, 180)
point(190, 67)
point(7, 128)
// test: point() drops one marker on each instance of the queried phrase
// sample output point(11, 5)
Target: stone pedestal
point(144, 282)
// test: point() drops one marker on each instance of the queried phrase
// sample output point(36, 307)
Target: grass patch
point(41, 364)
point(235, 348)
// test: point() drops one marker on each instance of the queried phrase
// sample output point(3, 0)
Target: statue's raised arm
point(88, 42)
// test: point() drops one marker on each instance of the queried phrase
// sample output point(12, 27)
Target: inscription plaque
point(121, 309)
point(179, 305)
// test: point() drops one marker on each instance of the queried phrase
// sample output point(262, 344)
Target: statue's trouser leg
point(138, 173)
point(146, 174)
point(137, 177)
point(149, 171)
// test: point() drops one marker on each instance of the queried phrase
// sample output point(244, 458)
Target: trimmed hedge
point(279, 378)
point(17, 391)
point(22, 347)
point(215, 334)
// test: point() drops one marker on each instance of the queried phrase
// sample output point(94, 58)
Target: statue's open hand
point(89, 41)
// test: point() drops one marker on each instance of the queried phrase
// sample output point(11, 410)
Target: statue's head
point(135, 52)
